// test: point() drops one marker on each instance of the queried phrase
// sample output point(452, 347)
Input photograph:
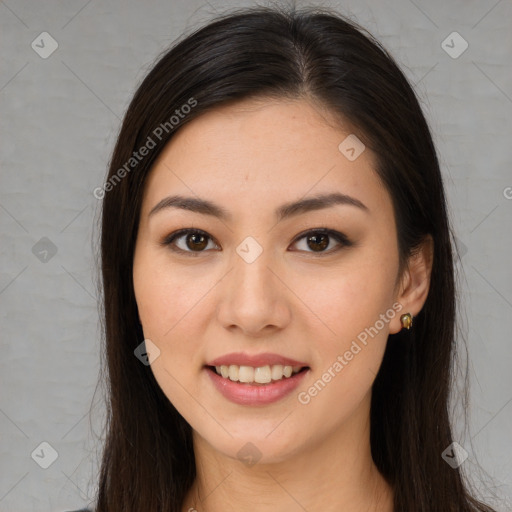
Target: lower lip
point(259, 394)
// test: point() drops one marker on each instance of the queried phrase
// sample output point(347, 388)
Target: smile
point(246, 390)
point(258, 375)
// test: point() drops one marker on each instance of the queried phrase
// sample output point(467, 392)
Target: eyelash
point(336, 235)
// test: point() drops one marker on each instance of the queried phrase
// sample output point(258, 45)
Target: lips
point(255, 394)
point(242, 388)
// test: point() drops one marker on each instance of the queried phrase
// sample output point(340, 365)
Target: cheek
point(169, 304)
point(347, 301)
point(165, 297)
point(358, 309)
point(353, 309)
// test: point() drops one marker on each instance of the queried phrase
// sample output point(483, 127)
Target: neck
point(338, 473)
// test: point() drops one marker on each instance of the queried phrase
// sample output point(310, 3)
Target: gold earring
point(406, 320)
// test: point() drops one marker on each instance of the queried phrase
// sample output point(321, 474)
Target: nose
point(254, 298)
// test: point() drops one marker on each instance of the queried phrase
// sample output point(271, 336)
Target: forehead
point(263, 152)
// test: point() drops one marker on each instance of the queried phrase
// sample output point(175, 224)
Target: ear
point(415, 282)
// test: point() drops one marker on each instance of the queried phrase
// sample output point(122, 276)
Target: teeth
point(260, 375)
point(233, 372)
point(246, 374)
point(277, 372)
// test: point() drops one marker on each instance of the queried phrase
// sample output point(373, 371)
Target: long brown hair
point(148, 460)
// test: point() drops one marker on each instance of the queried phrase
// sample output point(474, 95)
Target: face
point(266, 284)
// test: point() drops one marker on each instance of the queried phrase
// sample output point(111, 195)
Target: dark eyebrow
point(205, 207)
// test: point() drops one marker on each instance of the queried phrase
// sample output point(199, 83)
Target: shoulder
point(81, 510)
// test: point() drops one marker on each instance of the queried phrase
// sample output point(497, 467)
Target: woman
point(278, 280)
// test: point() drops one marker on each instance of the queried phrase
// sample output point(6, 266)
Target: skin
point(250, 158)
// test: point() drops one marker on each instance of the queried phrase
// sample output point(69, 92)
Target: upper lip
point(256, 360)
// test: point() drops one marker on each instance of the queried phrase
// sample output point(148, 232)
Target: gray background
point(60, 117)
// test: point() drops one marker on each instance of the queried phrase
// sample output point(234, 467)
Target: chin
point(256, 449)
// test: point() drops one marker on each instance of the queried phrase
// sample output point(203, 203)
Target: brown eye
point(196, 241)
point(318, 241)
point(191, 241)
